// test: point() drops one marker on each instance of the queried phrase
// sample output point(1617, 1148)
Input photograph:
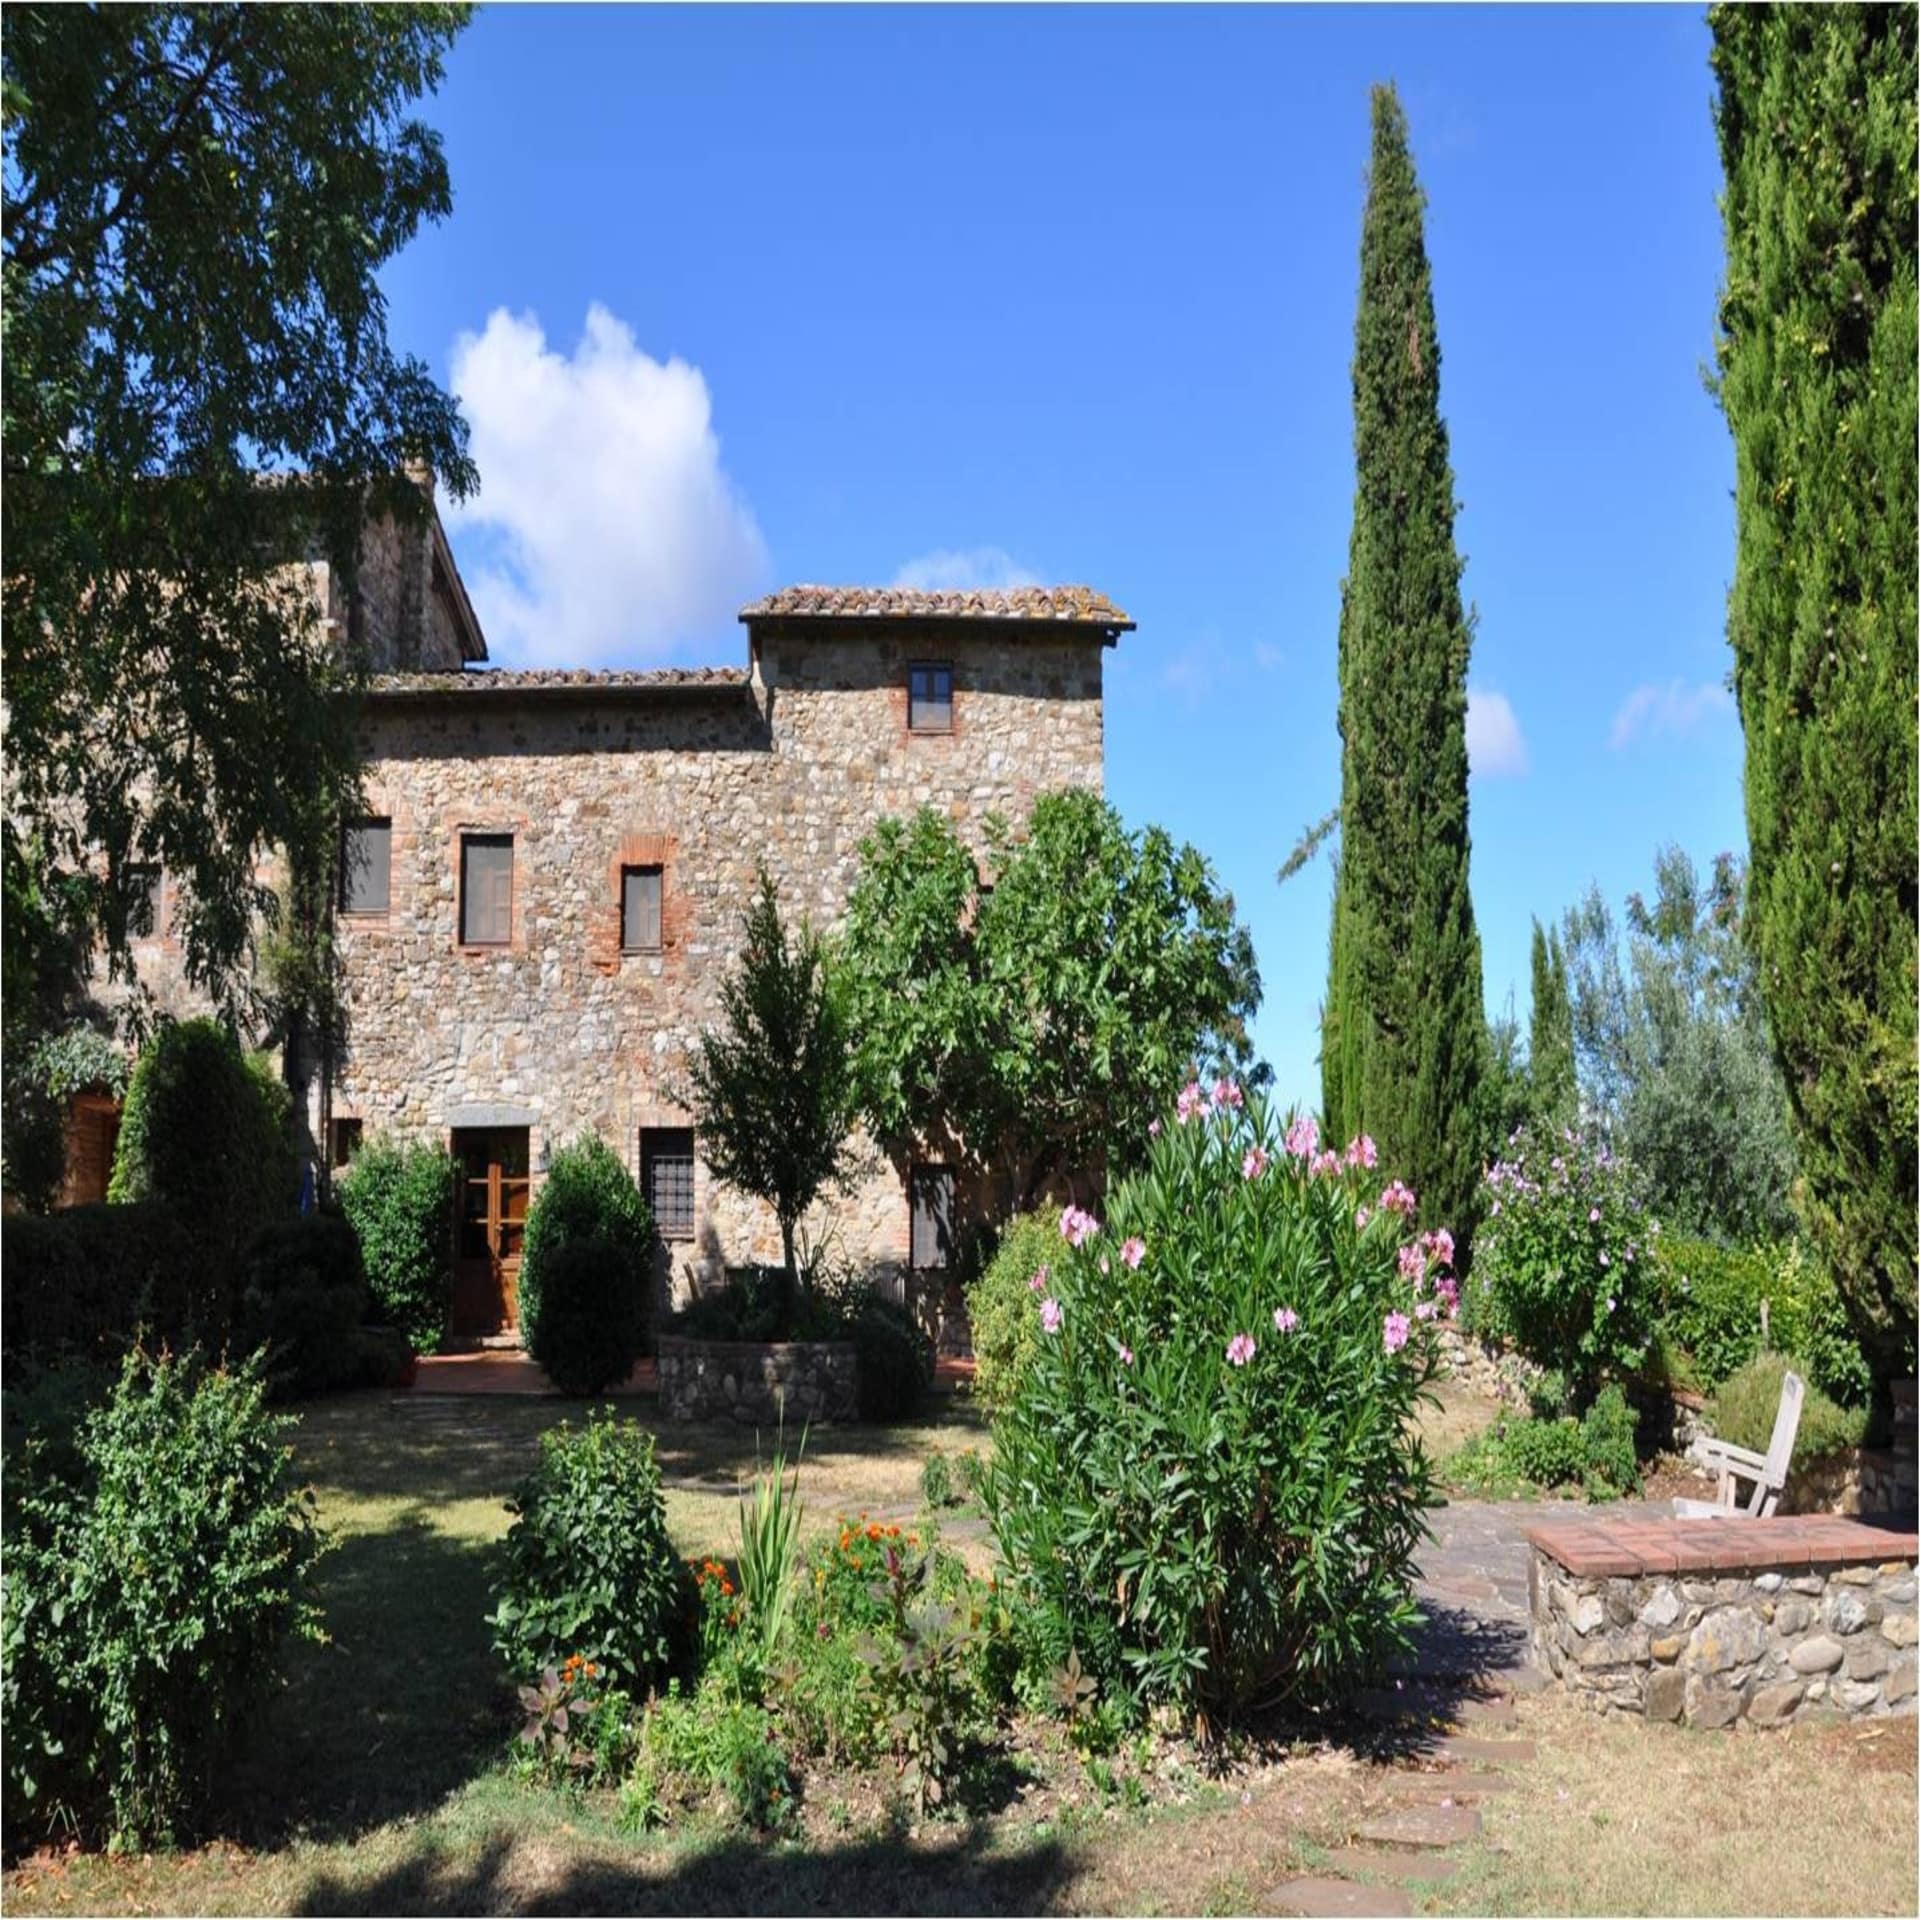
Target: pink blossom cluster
point(1194, 1101)
point(1132, 1251)
point(1050, 1314)
point(1394, 1330)
point(1324, 1162)
point(1398, 1198)
point(1254, 1164)
point(1077, 1226)
point(1361, 1152)
point(1240, 1349)
point(1303, 1136)
point(1285, 1319)
point(1039, 1281)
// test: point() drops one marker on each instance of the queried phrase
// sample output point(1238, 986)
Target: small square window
point(640, 909)
point(346, 1140)
point(366, 866)
point(930, 699)
point(486, 889)
point(666, 1178)
point(143, 887)
point(931, 1189)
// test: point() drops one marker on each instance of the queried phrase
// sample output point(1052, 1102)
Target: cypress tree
point(1404, 1050)
point(1552, 1093)
point(1817, 354)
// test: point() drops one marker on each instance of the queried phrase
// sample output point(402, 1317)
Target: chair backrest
point(1786, 1423)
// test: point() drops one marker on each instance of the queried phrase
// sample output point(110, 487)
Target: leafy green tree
point(1674, 1053)
point(773, 1086)
point(1045, 1020)
point(199, 389)
point(1818, 352)
point(1553, 1094)
point(1403, 1046)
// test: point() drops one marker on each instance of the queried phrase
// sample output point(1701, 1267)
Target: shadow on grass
point(959, 1874)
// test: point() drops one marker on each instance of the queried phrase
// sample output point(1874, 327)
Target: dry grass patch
point(1618, 1816)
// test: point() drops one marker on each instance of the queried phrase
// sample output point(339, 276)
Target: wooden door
point(494, 1190)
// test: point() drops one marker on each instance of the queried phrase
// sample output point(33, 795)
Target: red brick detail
point(1602, 1548)
point(676, 910)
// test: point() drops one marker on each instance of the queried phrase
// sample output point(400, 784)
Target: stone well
point(1715, 1621)
point(759, 1383)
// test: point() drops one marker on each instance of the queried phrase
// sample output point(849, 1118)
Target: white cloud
point(1495, 745)
point(606, 527)
point(1674, 709)
point(964, 570)
point(1267, 657)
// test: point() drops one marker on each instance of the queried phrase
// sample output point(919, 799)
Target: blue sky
point(739, 298)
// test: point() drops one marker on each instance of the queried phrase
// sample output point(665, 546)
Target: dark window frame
point(383, 822)
point(485, 838)
point(916, 701)
point(674, 1146)
point(922, 1170)
point(146, 917)
point(639, 870)
point(349, 1135)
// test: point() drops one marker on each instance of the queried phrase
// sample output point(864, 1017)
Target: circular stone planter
point(759, 1383)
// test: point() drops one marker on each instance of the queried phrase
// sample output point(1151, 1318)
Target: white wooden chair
point(1767, 1471)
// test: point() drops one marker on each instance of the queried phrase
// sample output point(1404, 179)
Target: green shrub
point(1743, 1411)
point(1563, 1264)
point(1610, 1463)
point(1549, 1453)
point(1710, 1299)
point(148, 1601)
point(587, 1195)
point(1000, 1309)
point(401, 1200)
point(303, 1294)
point(1208, 1487)
point(711, 1744)
point(206, 1131)
point(895, 1358)
point(386, 1357)
point(936, 1481)
point(589, 1567)
point(80, 1285)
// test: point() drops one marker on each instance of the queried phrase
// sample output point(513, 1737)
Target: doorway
point(492, 1222)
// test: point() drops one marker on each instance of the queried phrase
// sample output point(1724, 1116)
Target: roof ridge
point(1078, 604)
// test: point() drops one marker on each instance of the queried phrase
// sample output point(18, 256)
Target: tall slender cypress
point(1408, 1026)
point(1551, 1093)
point(1817, 355)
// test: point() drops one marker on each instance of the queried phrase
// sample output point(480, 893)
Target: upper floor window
point(666, 1178)
point(640, 909)
point(366, 866)
point(486, 889)
point(930, 699)
point(143, 887)
point(931, 1191)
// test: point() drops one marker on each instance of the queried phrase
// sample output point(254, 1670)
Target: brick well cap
point(1595, 1548)
point(1070, 606)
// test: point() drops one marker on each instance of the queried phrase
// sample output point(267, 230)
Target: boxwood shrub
point(587, 1195)
point(1209, 1486)
point(1000, 1308)
point(592, 1321)
point(400, 1199)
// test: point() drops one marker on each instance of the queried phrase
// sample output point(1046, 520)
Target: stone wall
point(1854, 1480)
point(812, 1382)
point(1711, 1645)
point(1495, 1372)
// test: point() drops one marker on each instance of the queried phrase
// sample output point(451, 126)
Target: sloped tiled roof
point(1080, 606)
point(556, 680)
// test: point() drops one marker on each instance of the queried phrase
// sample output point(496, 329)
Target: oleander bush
point(1744, 1408)
point(1208, 1489)
point(152, 1586)
point(589, 1568)
point(1000, 1308)
point(1563, 1265)
point(400, 1199)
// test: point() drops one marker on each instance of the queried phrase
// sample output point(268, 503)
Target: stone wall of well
point(1764, 1646)
point(564, 1030)
point(759, 1384)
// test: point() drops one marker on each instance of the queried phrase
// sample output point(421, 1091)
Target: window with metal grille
point(930, 698)
point(486, 889)
point(931, 1190)
point(366, 866)
point(640, 909)
point(666, 1178)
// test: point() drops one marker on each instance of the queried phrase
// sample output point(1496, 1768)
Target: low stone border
point(1714, 1621)
point(759, 1383)
point(1854, 1480)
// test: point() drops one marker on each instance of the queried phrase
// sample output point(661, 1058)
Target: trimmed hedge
point(401, 1200)
point(303, 1296)
point(1744, 1409)
point(1000, 1309)
point(593, 1313)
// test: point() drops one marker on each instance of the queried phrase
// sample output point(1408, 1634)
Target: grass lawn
point(377, 1783)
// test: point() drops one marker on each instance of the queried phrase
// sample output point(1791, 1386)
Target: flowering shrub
point(1564, 1261)
point(1208, 1489)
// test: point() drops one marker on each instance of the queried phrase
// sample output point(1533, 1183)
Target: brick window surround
point(487, 905)
point(641, 917)
point(930, 697)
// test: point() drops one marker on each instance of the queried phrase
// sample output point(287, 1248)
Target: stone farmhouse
point(538, 908)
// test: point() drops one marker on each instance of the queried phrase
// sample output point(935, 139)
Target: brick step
point(1419, 1826)
point(1320, 1894)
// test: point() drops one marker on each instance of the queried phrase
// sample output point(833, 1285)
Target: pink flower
point(1361, 1152)
point(1604, 1261)
point(1191, 1104)
point(1610, 1303)
point(1398, 1198)
point(1360, 1219)
point(1303, 1136)
point(1447, 1291)
point(1153, 1129)
point(1077, 1226)
point(1226, 1093)
point(1394, 1330)
point(1050, 1315)
point(1126, 1356)
point(1439, 1243)
point(1593, 1214)
point(1255, 1163)
point(1285, 1319)
point(1425, 1310)
point(1327, 1162)
point(1240, 1349)
point(1106, 1265)
point(1413, 1263)
point(1039, 1281)
point(1132, 1251)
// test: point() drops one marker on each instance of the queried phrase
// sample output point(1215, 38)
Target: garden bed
point(759, 1382)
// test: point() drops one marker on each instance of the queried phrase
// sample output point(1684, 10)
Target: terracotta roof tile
point(1080, 606)
point(555, 680)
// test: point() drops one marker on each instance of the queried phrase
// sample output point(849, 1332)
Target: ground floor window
point(666, 1178)
point(931, 1193)
point(347, 1134)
